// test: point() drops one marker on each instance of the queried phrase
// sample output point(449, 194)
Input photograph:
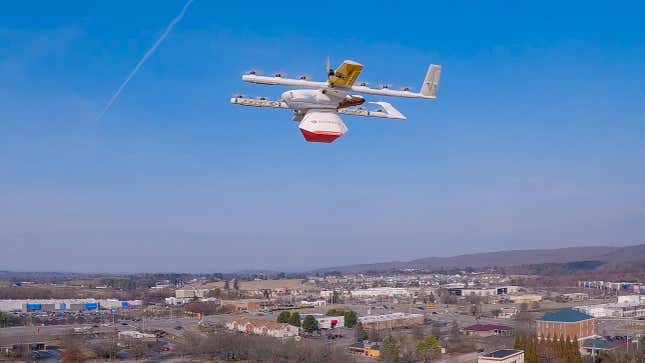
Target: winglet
point(389, 110)
point(431, 82)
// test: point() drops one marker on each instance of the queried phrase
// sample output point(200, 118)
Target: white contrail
point(144, 58)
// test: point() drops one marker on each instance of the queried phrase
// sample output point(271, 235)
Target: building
point(190, 293)
point(507, 312)
point(248, 304)
point(503, 356)
point(263, 327)
point(483, 292)
point(526, 298)
point(372, 350)
point(566, 323)
point(630, 300)
point(326, 322)
point(595, 346)
point(576, 296)
point(133, 334)
point(83, 306)
point(391, 321)
point(29, 305)
point(49, 305)
point(613, 310)
point(118, 304)
point(381, 292)
point(627, 306)
point(173, 301)
point(631, 287)
point(313, 304)
point(487, 330)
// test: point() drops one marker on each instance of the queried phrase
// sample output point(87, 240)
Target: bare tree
point(74, 349)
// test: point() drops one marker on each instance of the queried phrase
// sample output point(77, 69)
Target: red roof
point(487, 327)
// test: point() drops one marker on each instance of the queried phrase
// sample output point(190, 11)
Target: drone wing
point(385, 110)
point(428, 87)
point(242, 101)
point(345, 75)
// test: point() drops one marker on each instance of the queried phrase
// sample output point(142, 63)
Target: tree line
point(229, 347)
point(565, 350)
point(414, 347)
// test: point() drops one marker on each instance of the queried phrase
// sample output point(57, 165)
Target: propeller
point(406, 89)
point(363, 84)
point(304, 77)
point(383, 86)
point(254, 71)
point(280, 74)
point(238, 95)
point(261, 98)
point(328, 69)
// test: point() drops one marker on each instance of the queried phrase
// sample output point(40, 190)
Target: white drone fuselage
point(306, 99)
point(317, 107)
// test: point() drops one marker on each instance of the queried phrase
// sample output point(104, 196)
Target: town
point(400, 316)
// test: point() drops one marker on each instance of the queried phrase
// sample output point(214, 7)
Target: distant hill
point(508, 258)
point(625, 254)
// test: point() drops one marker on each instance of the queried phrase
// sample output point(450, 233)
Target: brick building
point(566, 323)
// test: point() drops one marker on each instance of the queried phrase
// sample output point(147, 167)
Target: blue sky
point(536, 139)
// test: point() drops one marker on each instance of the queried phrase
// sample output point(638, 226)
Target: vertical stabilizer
point(431, 82)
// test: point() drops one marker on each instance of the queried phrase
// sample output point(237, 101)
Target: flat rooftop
point(502, 353)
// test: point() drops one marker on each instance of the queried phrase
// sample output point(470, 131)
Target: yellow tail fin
point(346, 74)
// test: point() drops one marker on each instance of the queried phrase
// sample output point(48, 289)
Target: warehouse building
point(189, 293)
point(48, 305)
point(118, 304)
point(627, 306)
point(391, 321)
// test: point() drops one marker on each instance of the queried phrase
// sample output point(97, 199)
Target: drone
point(318, 106)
